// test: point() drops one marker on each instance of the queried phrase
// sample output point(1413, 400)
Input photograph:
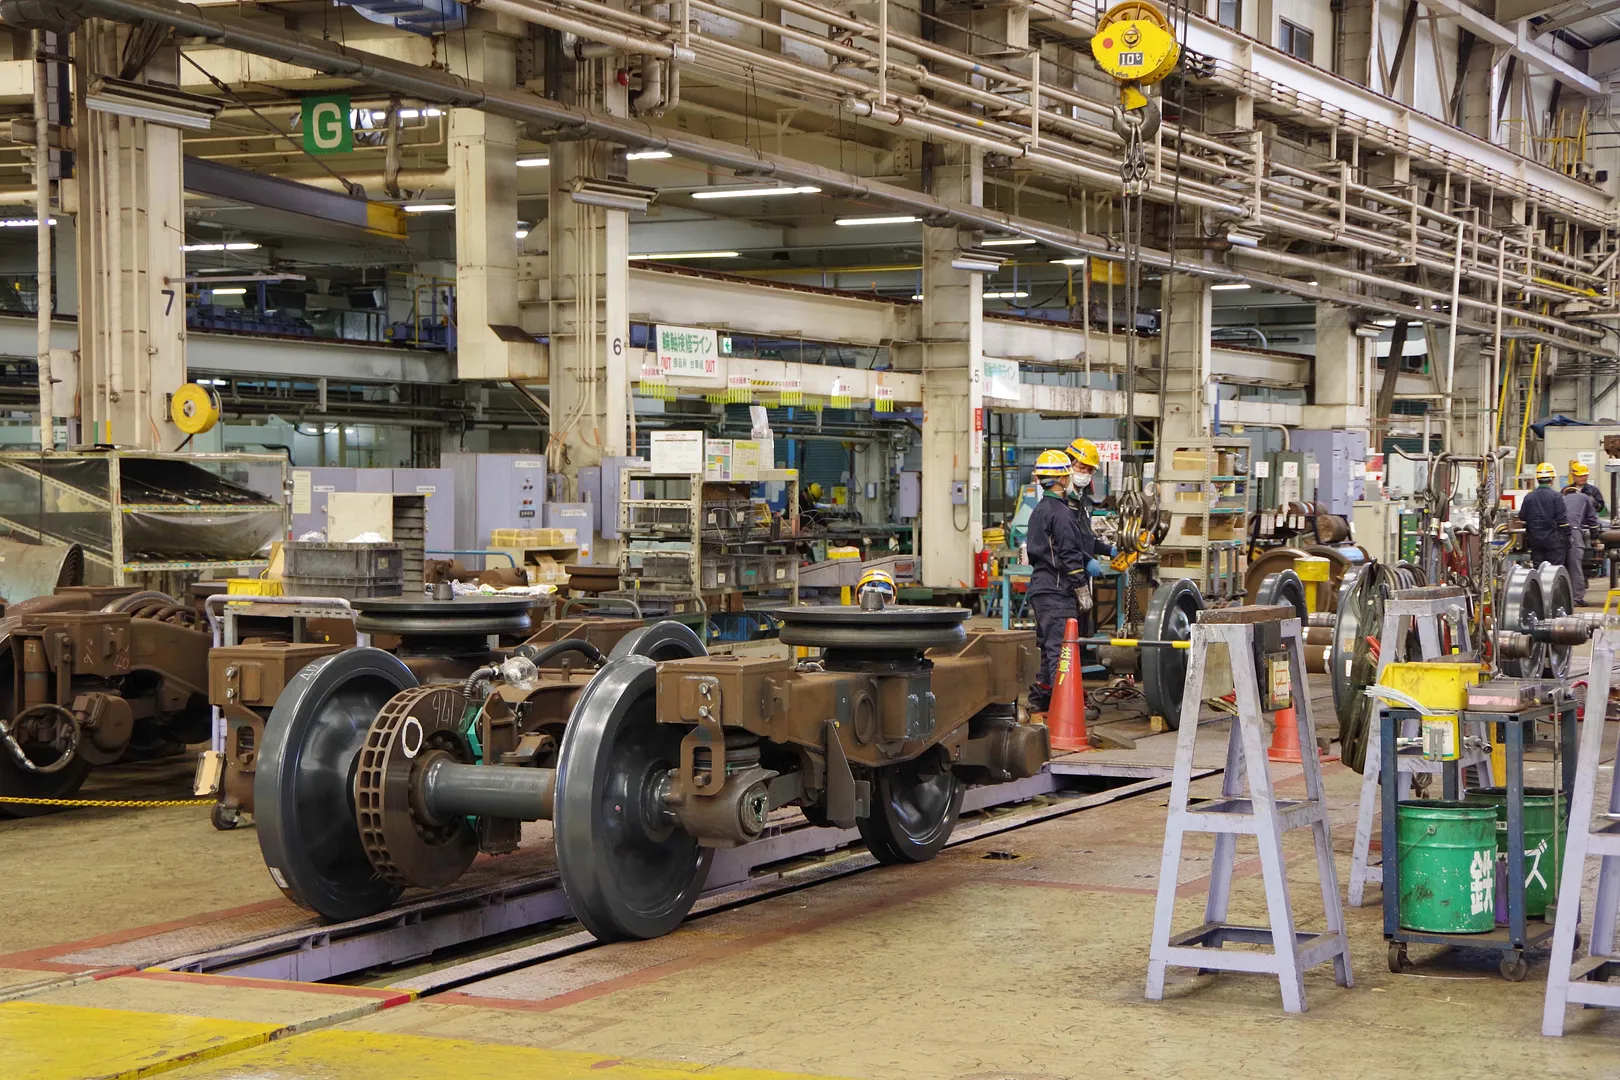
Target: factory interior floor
point(1020, 956)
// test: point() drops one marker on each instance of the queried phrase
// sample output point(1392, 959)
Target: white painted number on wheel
point(410, 739)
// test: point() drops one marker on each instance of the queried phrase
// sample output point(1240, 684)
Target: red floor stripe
point(32, 958)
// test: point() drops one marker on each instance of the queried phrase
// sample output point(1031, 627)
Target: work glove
point(1094, 568)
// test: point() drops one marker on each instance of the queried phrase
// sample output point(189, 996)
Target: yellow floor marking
point(367, 1055)
point(68, 1042)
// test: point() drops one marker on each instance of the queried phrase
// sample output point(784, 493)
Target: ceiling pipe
point(562, 121)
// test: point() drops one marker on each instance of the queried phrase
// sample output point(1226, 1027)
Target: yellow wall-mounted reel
point(1136, 45)
point(194, 409)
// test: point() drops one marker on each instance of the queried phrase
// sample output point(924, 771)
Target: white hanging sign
point(689, 352)
point(1001, 379)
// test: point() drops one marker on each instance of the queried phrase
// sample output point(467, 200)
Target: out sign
point(326, 125)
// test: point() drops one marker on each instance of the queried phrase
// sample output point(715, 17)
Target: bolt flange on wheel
point(303, 790)
point(628, 869)
point(914, 809)
point(1170, 617)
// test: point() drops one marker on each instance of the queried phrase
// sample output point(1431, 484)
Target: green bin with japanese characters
point(1544, 811)
point(1447, 853)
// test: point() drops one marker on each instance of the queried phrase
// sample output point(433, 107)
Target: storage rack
point(1207, 534)
point(709, 546)
point(88, 497)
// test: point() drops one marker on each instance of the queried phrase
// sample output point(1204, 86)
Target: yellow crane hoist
point(1136, 46)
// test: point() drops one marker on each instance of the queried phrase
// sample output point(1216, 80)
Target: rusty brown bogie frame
point(123, 678)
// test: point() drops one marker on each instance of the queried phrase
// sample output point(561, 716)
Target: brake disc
point(406, 846)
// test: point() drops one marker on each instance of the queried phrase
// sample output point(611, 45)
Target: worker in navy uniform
point(1580, 475)
point(1546, 526)
point(1084, 463)
point(1583, 526)
point(1057, 563)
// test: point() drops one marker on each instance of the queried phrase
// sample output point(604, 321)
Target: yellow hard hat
point(815, 491)
point(1545, 471)
point(1579, 468)
point(881, 580)
point(1084, 452)
point(1052, 465)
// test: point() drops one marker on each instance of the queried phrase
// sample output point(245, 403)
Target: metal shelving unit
point(1207, 533)
point(687, 540)
point(142, 511)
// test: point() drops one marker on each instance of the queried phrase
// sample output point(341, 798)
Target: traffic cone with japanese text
point(1066, 719)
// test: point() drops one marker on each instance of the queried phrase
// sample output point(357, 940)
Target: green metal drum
point(1543, 853)
point(1447, 866)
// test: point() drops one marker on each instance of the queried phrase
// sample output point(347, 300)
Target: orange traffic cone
point(1285, 740)
point(1066, 719)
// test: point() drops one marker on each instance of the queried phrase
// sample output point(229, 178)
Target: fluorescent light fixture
point(752, 192)
point(1231, 286)
point(521, 233)
point(1383, 322)
point(1019, 295)
point(892, 219)
point(613, 194)
point(413, 114)
point(429, 208)
point(1078, 260)
point(648, 155)
point(690, 255)
point(1313, 283)
point(1369, 330)
point(533, 162)
point(379, 114)
point(239, 245)
point(152, 102)
point(978, 261)
point(234, 290)
point(1239, 238)
point(917, 296)
point(23, 222)
point(1010, 241)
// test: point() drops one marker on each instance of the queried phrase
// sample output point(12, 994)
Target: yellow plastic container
point(1439, 686)
point(250, 586)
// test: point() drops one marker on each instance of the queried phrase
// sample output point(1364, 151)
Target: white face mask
point(1082, 479)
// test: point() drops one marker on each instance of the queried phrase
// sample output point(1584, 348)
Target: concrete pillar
point(1479, 91)
point(1187, 360)
point(483, 164)
point(589, 313)
point(1340, 359)
point(1356, 54)
point(953, 365)
point(131, 223)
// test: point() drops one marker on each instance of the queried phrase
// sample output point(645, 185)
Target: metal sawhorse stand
point(1248, 806)
point(1425, 608)
point(1585, 981)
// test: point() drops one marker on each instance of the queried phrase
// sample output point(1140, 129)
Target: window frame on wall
point(1289, 37)
point(1229, 13)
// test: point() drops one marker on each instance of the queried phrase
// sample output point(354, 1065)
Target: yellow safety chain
point(120, 803)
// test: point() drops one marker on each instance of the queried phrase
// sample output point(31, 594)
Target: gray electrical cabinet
point(310, 487)
point(590, 491)
point(576, 516)
point(1340, 475)
point(495, 491)
point(432, 483)
point(1285, 480)
point(607, 518)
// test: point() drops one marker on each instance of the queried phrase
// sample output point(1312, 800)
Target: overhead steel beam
point(1276, 76)
point(1518, 39)
point(1580, 13)
point(230, 354)
point(274, 193)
